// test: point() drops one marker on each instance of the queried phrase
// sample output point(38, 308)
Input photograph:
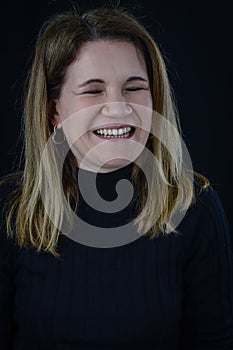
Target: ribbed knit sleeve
point(208, 277)
point(8, 253)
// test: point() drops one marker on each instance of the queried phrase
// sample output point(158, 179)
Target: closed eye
point(135, 88)
point(93, 92)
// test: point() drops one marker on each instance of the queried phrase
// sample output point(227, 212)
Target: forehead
point(109, 58)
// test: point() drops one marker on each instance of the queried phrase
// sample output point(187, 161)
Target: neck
point(106, 168)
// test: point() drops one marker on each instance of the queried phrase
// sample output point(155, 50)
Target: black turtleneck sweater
point(170, 293)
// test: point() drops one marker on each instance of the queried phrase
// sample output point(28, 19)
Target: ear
point(53, 115)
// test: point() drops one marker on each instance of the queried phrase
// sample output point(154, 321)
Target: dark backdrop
point(195, 38)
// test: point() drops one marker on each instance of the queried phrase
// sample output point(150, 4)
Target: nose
point(116, 109)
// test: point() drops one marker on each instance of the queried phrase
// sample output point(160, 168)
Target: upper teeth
point(114, 132)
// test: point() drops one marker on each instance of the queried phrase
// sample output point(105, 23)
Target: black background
point(196, 40)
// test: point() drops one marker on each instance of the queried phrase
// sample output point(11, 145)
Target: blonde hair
point(58, 43)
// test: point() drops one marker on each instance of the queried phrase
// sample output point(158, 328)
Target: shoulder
point(208, 205)
point(10, 187)
point(205, 222)
point(205, 204)
point(9, 247)
point(8, 190)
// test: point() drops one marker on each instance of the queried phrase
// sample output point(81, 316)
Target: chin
point(116, 163)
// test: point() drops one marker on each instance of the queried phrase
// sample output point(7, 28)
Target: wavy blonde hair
point(58, 43)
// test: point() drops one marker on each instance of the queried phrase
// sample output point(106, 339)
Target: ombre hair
point(58, 44)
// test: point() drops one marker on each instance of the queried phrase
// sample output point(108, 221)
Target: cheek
point(148, 101)
point(143, 100)
point(68, 106)
point(78, 125)
point(144, 109)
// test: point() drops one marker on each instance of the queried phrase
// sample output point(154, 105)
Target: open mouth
point(123, 132)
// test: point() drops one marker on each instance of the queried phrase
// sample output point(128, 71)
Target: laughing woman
point(109, 265)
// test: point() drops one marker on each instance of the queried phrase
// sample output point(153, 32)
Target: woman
point(99, 105)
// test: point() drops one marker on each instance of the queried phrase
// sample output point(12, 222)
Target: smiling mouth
point(124, 132)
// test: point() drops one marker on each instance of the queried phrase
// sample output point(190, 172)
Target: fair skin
point(105, 105)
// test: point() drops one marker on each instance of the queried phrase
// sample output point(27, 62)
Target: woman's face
point(105, 105)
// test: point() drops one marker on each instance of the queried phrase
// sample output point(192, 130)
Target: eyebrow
point(89, 81)
point(100, 81)
point(136, 78)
